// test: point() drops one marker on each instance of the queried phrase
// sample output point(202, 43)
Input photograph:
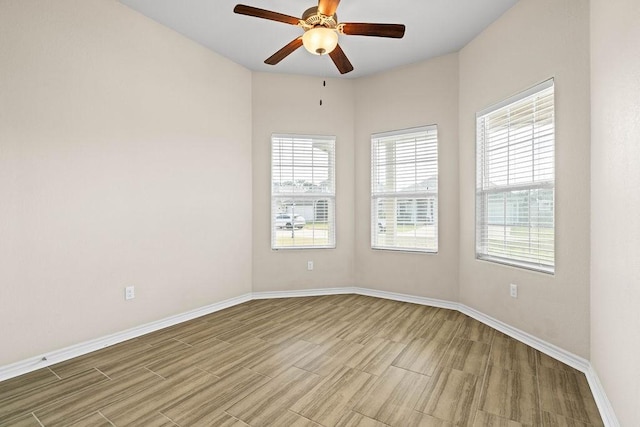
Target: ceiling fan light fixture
point(320, 40)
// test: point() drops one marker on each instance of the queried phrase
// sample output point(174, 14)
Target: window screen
point(302, 192)
point(515, 184)
point(404, 190)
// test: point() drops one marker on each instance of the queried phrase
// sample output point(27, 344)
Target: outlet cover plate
point(513, 290)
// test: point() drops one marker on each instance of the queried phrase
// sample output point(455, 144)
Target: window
point(303, 192)
point(515, 184)
point(404, 190)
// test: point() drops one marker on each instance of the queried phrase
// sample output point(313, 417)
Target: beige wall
point(615, 203)
point(291, 104)
point(417, 95)
point(125, 154)
point(533, 41)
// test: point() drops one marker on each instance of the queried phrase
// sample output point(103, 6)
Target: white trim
point(432, 302)
point(576, 362)
point(57, 356)
point(602, 401)
point(304, 293)
point(583, 365)
point(549, 349)
point(540, 345)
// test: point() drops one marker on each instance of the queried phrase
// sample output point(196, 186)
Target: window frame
point(304, 198)
point(481, 242)
point(431, 137)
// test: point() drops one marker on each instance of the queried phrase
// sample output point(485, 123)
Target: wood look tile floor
point(332, 361)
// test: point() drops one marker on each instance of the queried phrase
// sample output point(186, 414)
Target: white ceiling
point(433, 28)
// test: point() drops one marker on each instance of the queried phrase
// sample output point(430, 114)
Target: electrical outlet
point(513, 290)
point(129, 292)
point(309, 265)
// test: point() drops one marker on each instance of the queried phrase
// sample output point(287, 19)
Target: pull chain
point(324, 84)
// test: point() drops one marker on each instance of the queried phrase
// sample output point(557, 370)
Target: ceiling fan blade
point(284, 52)
point(340, 59)
point(395, 31)
point(328, 7)
point(265, 14)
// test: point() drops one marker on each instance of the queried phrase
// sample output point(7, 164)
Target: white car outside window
point(288, 220)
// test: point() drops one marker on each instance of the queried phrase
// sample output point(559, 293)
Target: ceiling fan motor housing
point(312, 18)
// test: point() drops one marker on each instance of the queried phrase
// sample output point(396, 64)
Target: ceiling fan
point(321, 29)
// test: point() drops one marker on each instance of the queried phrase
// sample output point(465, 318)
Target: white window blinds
point(515, 184)
point(302, 192)
point(404, 190)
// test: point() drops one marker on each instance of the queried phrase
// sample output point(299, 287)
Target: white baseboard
point(543, 346)
point(549, 349)
point(304, 293)
point(57, 356)
point(432, 302)
point(604, 405)
point(583, 365)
